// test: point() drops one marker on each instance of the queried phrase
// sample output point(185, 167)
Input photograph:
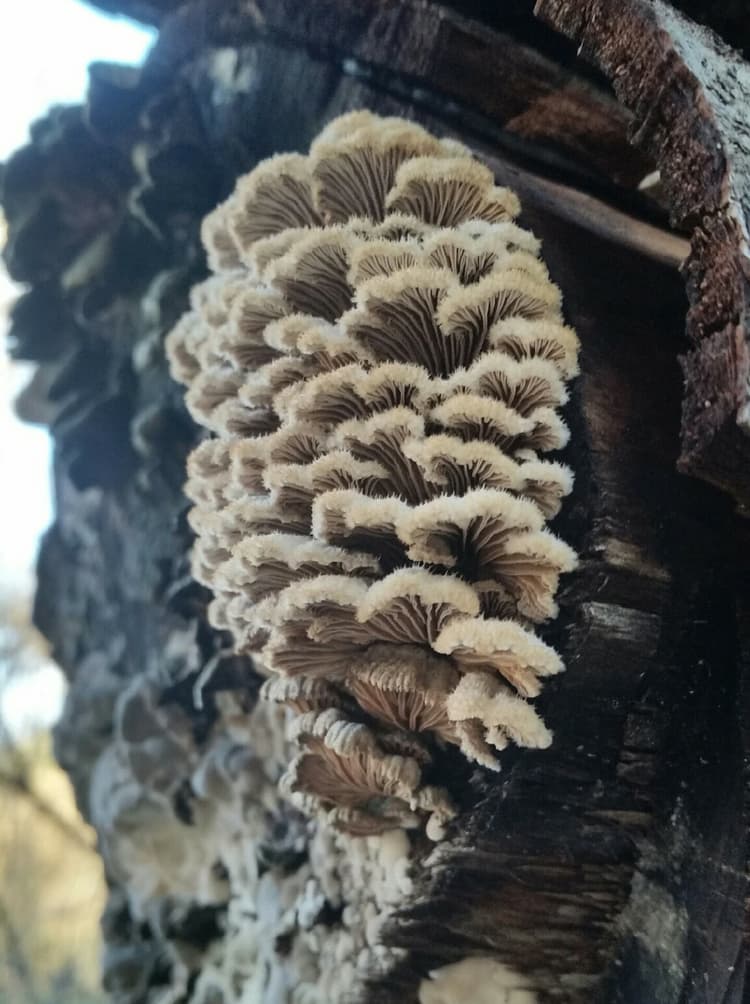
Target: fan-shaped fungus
point(382, 358)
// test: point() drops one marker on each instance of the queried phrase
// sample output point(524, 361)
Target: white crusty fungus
point(479, 980)
point(381, 357)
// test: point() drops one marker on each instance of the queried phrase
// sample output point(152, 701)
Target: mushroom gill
point(381, 358)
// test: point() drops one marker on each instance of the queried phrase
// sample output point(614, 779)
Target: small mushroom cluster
point(381, 358)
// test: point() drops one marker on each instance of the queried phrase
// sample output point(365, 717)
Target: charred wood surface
point(688, 93)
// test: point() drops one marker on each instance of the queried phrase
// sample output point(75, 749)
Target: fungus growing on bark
point(480, 980)
point(360, 780)
point(275, 196)
point(221, 247)
point(447, 192)
point(382, 357)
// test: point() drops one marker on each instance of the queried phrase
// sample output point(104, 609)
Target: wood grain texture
point(487, 73)
point(688, 94)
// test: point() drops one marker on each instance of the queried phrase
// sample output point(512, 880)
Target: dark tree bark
point(611, 867)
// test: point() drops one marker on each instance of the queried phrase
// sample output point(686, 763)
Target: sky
point(45, 48)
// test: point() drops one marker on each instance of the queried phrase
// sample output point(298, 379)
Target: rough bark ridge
point(688, 93)
point(609, 868)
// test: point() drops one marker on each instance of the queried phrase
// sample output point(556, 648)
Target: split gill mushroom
point(380, 359)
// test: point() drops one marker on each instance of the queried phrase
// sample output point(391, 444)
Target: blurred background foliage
point(52, 887)
point(51, 880)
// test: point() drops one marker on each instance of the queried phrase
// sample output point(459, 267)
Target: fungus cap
point(382, 359)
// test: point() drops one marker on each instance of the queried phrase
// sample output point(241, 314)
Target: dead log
point(611, 867)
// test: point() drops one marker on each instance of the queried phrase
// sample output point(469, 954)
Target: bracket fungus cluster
point(301, 909)
point(380, 357)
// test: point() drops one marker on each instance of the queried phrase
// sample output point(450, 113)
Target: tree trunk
point(611, 867)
